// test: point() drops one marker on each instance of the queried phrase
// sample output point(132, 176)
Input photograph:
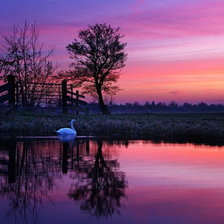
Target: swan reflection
point(66, 138)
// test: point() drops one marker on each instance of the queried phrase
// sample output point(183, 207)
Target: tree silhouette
point(31, 176)
point(100, 185)
point(23, 56)
point(98, 56)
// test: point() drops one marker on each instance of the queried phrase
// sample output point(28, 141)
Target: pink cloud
point(175, 21)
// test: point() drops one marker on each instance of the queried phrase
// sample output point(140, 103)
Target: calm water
point(47, 181)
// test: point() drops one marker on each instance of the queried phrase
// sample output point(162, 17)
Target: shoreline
point(204, 128)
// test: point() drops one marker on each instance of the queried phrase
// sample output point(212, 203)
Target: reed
point(197, 128)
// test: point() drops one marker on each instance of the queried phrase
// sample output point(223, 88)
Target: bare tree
point(22, 55)
point(98, 58)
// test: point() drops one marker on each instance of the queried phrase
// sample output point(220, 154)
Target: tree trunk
point(104, 108)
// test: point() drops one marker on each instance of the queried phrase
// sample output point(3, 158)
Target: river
point(83, 180)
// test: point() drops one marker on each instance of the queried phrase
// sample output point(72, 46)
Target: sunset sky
point(175, 47)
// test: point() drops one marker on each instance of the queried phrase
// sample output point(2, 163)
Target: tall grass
point(198, 128)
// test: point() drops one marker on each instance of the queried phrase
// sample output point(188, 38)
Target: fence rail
point(4, 88)
point(4, 98)
point(10, 89)
point(41, 83)
point(22, 94)
point(76, 101)
point(76, 94)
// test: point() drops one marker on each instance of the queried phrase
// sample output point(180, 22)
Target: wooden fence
point(41, 95)
point(7, 94)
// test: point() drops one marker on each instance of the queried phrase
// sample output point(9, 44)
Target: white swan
point(67, 131)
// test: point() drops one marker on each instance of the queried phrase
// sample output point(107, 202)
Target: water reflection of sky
point(111, 182)
point(169, 164)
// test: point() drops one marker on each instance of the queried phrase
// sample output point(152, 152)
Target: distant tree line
point(151, 107)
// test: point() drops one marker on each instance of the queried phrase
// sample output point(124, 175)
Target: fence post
point(71, 87)
point(77, 102)
point(11, 89)
point(64, 96)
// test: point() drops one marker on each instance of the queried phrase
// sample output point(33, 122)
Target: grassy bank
point(197, 128)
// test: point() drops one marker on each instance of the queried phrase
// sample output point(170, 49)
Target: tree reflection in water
point(30, 169)
point(99, 184)
point(31, 175)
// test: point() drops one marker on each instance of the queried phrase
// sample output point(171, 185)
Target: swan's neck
point(72, 126)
